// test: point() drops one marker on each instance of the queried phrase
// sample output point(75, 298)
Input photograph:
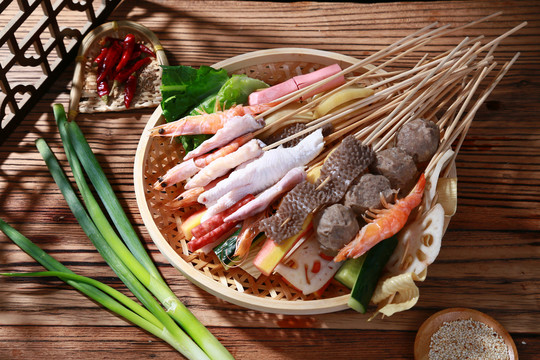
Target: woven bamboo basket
point(83, 96)
point(155, 156)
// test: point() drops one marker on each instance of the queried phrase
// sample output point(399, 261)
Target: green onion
point(153, 281)
point(102, 294)
point(188, 347)
point(112, 292)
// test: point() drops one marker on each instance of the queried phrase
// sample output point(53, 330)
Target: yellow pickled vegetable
point(340, 98)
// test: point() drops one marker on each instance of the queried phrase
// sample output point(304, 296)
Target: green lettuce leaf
point(184, 87)
point(237, 89)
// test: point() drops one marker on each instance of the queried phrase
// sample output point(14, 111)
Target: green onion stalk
point(187, 347)
point(137, 257)
point(99, 292)
point(134, 255)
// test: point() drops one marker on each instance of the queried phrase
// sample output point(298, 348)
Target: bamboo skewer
point(391, 49)
point(420, 85)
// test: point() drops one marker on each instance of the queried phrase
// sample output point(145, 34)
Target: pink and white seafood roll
point(297, 83)
point(268, 196)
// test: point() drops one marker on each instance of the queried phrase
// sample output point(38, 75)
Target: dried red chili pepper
point(114, 53)
point(99, 59)
point(103, 90)
point(131, 86)
point(146, 50)
point(124, 74)
point(135, 55)
point(128, 45)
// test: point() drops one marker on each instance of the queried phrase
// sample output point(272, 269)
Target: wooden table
point(489, 259)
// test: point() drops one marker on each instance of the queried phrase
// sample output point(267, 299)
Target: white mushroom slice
point(447, 195)
point(433, 178)
point(419, 244)
point(398, 293)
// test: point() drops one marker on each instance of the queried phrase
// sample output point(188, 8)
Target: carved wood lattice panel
point(38, 38)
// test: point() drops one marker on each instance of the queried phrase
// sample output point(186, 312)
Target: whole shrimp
point(191, 167)
point(386, 222)
point(189, 197)
point(206, 123)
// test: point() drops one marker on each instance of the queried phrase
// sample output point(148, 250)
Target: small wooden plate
point(434, 322)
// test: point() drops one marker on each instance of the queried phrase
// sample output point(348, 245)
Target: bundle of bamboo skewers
point(442, 87)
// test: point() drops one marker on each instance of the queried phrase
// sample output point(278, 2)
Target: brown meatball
point(366, 194)
point(336, 226)
point(419, 138)
point(398, 167)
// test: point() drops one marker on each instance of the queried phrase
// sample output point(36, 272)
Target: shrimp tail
point(187, 198)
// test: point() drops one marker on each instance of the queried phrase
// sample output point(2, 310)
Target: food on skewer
point(206, 123)
point(385, 223)
point(366, 193)
point(188, 168)
point(335, 227)
point(376, 150)
point(233, 128)
point(419, 138)
point(219, 167)
point(397, 166)
point(343, 165)
point(268, 196)
point(268, 169)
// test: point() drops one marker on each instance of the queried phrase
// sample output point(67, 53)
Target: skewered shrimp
point(189, 197)
point(206, 159)
point(205, 123)
point(191, 167)
point(386, 222)
point(233, 128)
point(248, 233)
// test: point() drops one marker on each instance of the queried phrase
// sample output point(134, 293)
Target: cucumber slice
point(348, 272)
point(365, 284)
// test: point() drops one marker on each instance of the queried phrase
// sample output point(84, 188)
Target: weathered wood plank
point(489, 258)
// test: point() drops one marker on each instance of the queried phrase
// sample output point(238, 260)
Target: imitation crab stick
point(299, 82)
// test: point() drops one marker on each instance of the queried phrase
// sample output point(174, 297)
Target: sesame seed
point(467, 339)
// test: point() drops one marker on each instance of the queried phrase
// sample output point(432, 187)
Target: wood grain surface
point(489, 260)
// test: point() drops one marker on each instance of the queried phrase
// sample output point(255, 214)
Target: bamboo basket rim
point(295, 307)
point(96, 35)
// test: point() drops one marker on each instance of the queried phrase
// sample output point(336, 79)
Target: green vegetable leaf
point(237, 89)
point(183, 87)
